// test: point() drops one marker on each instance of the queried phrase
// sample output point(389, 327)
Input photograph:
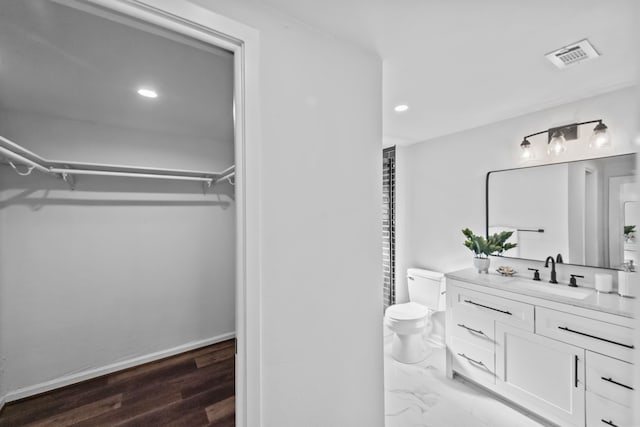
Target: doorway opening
point(198, 30)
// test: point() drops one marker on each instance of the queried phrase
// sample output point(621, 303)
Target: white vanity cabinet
point(569, 367)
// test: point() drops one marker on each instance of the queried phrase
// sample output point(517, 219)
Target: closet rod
point(128, 174)
point(30, 154)
point(17, 153)
point(231, 170)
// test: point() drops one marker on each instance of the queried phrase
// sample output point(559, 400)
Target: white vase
point(481, 264)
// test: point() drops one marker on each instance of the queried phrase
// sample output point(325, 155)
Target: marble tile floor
point(421, 395)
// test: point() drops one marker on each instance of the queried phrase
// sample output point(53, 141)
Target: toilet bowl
point(418, 324)
point(408, 322)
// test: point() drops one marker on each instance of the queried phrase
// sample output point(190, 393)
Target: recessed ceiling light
point(401, 108)
point(147, 93)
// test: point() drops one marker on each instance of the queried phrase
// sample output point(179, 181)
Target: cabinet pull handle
point(486, 306)
point(477, 331)
point(616, 383)
point(471, 360)
point(575, 382)
point(609, 422)
point(595, 337)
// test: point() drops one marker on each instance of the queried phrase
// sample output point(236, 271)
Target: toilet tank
point(426, 287)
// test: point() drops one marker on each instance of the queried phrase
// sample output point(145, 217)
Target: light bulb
point(600, 137)
point(557, 145)
point(527, 150)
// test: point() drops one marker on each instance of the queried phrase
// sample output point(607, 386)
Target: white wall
point(321, 216)
point(2, 348)
point(118, 269)
point(441, 182)
point(3, 353)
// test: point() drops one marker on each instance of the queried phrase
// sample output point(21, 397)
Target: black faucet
point(553, 269)
point(559, 259)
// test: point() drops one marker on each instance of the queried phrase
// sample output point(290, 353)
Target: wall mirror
point(577, 210)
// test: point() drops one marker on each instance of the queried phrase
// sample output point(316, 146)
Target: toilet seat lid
point(407, 311)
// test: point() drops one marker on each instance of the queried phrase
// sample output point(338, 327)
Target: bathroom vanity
point(564, 353)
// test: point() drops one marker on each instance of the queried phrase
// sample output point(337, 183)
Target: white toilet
point(422, 317)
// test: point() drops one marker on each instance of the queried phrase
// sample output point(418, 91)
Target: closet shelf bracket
point(227, 176)
point(69, 179)
point(25, 173)
point(206, 185)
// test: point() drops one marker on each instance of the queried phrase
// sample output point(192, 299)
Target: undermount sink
point(555, 289)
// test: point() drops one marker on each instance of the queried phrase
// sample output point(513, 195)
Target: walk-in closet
point(117, 208)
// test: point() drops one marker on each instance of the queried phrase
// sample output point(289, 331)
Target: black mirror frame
point(486, 201)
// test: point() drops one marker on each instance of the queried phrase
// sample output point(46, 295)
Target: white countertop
point(607, 303)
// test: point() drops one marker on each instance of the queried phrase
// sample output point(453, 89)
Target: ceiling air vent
point(572, 54)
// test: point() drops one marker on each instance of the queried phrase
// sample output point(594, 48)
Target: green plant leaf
point(494, 244)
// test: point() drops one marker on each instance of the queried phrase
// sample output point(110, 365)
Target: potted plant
point(628, 232)
point(496, 244)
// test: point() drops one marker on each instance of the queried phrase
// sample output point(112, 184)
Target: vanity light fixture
point(557, 138)
point(401, 108)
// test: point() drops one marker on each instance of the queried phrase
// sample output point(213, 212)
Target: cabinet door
point(541, 374)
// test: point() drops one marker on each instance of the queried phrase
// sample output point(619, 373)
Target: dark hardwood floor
point(191, 389)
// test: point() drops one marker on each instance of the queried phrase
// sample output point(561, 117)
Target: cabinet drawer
point(602, 412)
point(471, 361)
point(595, 335)
point(472, 326)
point(500, 309)
point(610, 378)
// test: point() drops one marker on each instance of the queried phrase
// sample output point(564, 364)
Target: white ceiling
point(61, 61)
point(460, 64)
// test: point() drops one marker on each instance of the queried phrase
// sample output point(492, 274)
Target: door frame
point(203, 24)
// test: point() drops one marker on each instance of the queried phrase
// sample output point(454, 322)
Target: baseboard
point(66, 380)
